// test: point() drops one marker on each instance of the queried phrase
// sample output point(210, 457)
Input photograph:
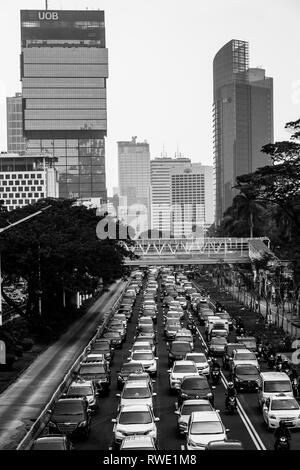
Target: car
point(227, 444)
point(134, 420)
point(245, 377)
point(272, 383)
point(185, 335)
point(137, 442)
point(203, 314)
point(136, 393)
point(145, 321)
point(227, 356)
point(187, 408)
point(95, 357)
point(115, 337)
point(195, 387)
point(182, 301)
point(204, 427)
point(200, 360)
point(52, 442)
point(171, 328)
point(102, 348)
point(119, 328)
point(226, 316)
point(126, 369)
point(146, 335)
point(84, 388)
point(281, 407)
point(146, 329)
point(243, 356)
point(141, 346)
point(179, 370)
point(178, 350)
point(248, 341)
point(172, 316)
point(217, 346)
point(70, 416)
point(98, 372)
point(143, 376)
point(147, 359)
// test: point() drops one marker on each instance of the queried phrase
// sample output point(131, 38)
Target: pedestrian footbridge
point(190, 251)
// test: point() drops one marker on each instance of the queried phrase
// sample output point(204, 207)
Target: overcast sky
point(160, 66)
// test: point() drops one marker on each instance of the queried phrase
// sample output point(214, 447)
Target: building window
point(14, 201)
point(17, 183)
point(29, 194)
point(1, 190)
point(39, 176)
point(26, 201)
point(39, 188)
point(26, 177)
point(7, 177)
point(20, 177)
point(14, 177)
point(11, 183)
point(24, 195)
point(27, 188)
point(11, 195)
point(1, 177)
point(4, 183)
point(36, 194)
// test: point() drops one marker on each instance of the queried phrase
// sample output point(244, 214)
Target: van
point(217, 324)
point(272, 383)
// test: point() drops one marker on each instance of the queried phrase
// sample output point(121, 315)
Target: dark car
point(245, 377)
point(171, 329)
point(227, 444)
point(229, 348)
point(115, 337)
point(178, 350)
point(70, 416)
point(195, 387)
point(53, 442)
point(97, 372)
point(127, 310)
point(83, 388)
point(127, 369)
point(119, 328)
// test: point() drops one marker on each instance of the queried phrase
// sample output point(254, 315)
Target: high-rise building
point(64, 67)
point(243, 119)
point(25, 179)
point(181, 197)
point(134, 171)
point(16, 143)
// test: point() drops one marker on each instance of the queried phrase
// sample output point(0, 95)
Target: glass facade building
point(64, 67)
point(243, 119)
point(14, 117)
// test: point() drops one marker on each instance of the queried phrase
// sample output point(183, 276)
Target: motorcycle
point(295, 386)
point(282, 443)
point(278, 367)
point(240, 331)
point(259, 351)
point(231, 405)
point(215, 376)
point(271, 361)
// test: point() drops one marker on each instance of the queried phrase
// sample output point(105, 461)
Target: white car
point(141, 346)
point(180, 370)
point(136, 393)
point(244, 356)
point(200, 360)
point(187, 408)
point(131, 420)
point(147, 359)
point(281, 407)
point(185, 335)
point(203, 427)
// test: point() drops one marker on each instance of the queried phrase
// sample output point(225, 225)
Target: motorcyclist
point(286, 366)
point(215, 365)
point(230, 392)
point(279, 359)
point(281, 431)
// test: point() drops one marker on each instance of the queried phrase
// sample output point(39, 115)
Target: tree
point(59, 253)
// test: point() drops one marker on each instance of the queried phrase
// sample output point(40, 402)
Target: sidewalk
point(283, 321)
point(22, 402)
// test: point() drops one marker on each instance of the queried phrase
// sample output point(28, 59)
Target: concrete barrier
point(43, 419)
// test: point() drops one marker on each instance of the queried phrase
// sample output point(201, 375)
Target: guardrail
point(43, 419)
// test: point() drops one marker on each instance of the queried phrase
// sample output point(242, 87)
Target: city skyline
point(145, 74)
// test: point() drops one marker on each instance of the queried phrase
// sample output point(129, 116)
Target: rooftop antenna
point(46, 1)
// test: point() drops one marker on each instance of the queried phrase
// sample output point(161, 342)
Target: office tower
point(14, 117)
point(64, 67)
point(134, 183)
point(192, 198)
point(243, 119)
point(160, 191)
point(25, 179)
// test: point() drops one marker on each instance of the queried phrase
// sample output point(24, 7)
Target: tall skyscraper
point(64, 67)
point(181, 196)
point(14, 118)
point(243, 119)
point(134, 171)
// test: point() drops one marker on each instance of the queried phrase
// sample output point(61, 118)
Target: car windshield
point(195, 383)
point(51, 444)
point(181, 347)
point(218, 341)
point(184, 338)
point(245, 357)
point(206, 427)
point(65, 408)
point(146, 327)
point(277, 386)
point(94, 369)
point(246, 370)
point(112, 334)
point(198, 359)
point(101, 346)
point(181, 369)
point(139, 392)
point(188, 409)
point(132, 368)
point(141, 347)
point(80, 391)
point(285, 404)
point(135, 417)
point(142, 356)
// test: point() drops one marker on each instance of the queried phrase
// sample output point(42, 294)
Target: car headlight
point(184, 395)
point(272, 417)
point(209, 394)
point(82, 424)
